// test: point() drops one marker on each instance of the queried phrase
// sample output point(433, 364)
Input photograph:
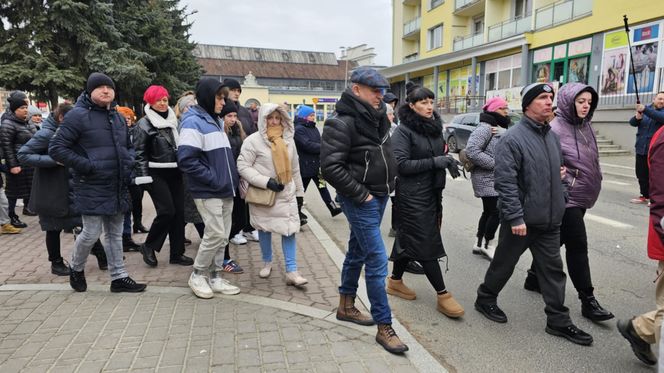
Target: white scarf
point(159, 122)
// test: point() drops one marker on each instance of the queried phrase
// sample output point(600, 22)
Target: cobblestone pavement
point(63, 331)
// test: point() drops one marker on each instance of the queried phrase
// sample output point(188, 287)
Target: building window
point(312, 58)
point(523, 8)
point(490, 81)
point(478, 25)
point(436, 37)
point(285, 56)
point(435, 3)
point(516, 77)
point(229, 52)
point(258, 55)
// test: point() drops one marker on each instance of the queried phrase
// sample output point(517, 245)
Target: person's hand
point(441, 162)
point(640, 108)
point(638, 116)
point(563, 171)
point(147, 187)
point(519, 230)
point(494, 130)
point(453, 168)
point(274, 185)
point(15, 170)
point(369, 198)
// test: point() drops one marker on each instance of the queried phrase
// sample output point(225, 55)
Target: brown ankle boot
point(448, 306)
point(399, 289)
point(388, 338)
point(348, 312)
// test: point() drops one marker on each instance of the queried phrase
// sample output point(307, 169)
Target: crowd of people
point(240, 174)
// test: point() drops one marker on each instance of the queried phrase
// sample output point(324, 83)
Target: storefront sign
point(646, 33)
point(542, 55)
point(560, 52)
point(580, 47)
point(615, 39)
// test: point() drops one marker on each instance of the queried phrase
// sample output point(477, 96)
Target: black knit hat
point(17, 99)
point(530, 92)
point(96, 80)
point(229, 107)
point(232, 84)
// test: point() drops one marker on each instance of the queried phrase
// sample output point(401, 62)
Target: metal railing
point(411, 26)
point(557, 13)
point(509, 28)
point(411, 57)
point(460, 104)
point(462, 3)
point(622, 100)
point(469, 42)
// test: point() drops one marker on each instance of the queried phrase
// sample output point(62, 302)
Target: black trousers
point(642, 174)
point(167, 193)
point(431, 270)
point(247, 220)
point(53, 245)
point(324, 192)
point(489, 220)
point(545, 248)
point(136, 194)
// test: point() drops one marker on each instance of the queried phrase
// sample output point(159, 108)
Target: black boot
point(139, 228)
point(531, 282)
point(16, 222)
point(98, 251)
point(59, 268)
point(303, 217)
point(28, 212)
point(334, 208)
point(591, 309)
point(128, 243)
point(148, 256)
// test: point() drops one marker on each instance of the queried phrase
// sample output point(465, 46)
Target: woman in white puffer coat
point(268, 160)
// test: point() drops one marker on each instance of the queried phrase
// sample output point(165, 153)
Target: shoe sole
point(401, 295)
point(291, 283)
point(625, 334)
point(397, 351)
point(59, 273)
point(124, 290)
point(181, 263)
point(450, 314)
point(500, 321)
point(355, 321)
point(200, 294)
point(602, 318)
point(226, 292)
point(561, 334)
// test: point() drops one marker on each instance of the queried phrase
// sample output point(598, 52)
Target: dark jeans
point(324, 192)
point(642, 174)
point(431, 270)
point(489, 221)
point(545, 248)
point(168, 196)
point(366, 249)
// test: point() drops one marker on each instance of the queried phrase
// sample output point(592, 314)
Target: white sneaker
point(199, 285)
point(488, 251)
point(251, 236)
point(238, 239)
point(294, 278)
point(219, 285)
point(266, 270)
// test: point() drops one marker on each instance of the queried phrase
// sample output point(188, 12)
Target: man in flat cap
point(532, 203)
point(356, 159)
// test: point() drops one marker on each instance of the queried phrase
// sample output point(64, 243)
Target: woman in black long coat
point(14, 132)
point(419, 150)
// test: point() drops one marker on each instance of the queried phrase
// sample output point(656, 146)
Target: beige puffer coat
point(255, 165)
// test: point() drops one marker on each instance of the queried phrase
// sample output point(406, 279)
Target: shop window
point(504, 79)
point(516, 77)
point(542, 72)
point(559, 71)
point(491, 81)
point(578, 70)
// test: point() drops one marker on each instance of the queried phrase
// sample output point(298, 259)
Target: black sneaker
point(126, 285)
point(77, 280)
point(28, 212)
point(128, 244)
point(571, 333)
point(59, 268)
point(491, 312)
point(640, 347)
point(16, 222)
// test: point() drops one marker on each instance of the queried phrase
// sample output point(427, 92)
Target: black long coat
point(13, 134)
point(420, 185)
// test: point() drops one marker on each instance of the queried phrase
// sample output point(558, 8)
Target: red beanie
point(154, 93)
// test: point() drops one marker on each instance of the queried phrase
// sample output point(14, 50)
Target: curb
point(421, 358)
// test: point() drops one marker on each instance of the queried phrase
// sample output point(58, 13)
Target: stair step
point(614, 152)
point(604, 141)
point(608, 147)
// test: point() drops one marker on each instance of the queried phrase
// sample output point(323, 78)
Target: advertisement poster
point(613, 72)
point(578, 70)
point(542, 72)
point(645, 61)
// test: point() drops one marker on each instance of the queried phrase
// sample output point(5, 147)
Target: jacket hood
point(431, 127)
point(303, 122)
point(566, 107)
point(50, 123)
point(269, 108)
point(206, 90)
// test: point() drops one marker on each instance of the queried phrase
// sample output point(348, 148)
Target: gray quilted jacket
point(480, 151)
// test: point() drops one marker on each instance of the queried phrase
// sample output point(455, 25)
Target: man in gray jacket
point(532, 204)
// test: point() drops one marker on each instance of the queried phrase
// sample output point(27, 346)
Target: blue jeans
point(366, 248)
point(287, 245)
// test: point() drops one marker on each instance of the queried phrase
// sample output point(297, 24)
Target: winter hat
point(494, 103)
point(33, 110)
point(232, 84)
point(98, 79)
point(16, 99)
point(530, 92)
point(303, 111)
point(229, 107)
point(155, 93)
point(389, 97)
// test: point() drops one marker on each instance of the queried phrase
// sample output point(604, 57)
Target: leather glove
point(300, 202)
point(272, 184)
point(453, 168)
point(147, 187)
point(440, 162)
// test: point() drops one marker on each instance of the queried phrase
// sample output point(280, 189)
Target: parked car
point(457, 132)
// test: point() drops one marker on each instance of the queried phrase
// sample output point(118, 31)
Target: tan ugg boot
point(399, 289)
point(448, 306)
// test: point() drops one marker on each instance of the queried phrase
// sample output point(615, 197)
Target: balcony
point(411, 2)
point(558, 13)
point(468, 8)
point(468, 42)
point(411, 57)
point(411, 29)
point(509, 28)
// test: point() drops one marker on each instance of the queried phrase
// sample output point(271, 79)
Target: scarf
point(161, 123)
point(282, 164)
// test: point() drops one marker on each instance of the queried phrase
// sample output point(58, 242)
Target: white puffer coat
point(256, 166)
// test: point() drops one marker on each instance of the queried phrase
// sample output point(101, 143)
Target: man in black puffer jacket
point(532, 203)
point(357, 160)
point(93, 141)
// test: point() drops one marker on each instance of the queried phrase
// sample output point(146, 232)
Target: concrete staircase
point(606, 146)
point(614, 135)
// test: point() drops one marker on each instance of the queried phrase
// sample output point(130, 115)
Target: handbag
point(50, 191)
point(259, 196)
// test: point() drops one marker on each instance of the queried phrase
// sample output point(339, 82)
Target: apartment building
point(467, 50)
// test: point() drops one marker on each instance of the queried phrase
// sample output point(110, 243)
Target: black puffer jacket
point(416, 141)
point(528, 160)
point(356, 151)
point(155, 147)
point(244, 116)
point(14, 133)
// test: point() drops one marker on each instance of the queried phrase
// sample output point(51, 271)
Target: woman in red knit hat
point(155, 140)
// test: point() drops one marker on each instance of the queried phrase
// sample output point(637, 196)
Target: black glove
point(440, 162)
point(300, 203)
point(147, 187)
point(272, 184)
point(453, 168)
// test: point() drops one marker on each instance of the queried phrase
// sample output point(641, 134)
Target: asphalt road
point(622, 274)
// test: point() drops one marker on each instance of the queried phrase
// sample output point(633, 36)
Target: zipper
point(387, 171)
point(576, 174)
point(366, 166)
point(548, 157)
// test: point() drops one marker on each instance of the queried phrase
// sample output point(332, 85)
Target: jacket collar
point(541, 128)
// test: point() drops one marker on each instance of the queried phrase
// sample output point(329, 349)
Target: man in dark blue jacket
point(647, 119)
point(93, 141)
